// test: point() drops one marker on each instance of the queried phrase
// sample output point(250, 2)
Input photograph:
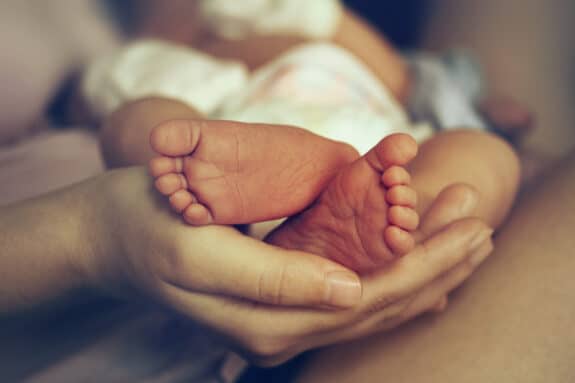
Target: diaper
point(234, 19)
point(153, 68)
point(326, 90)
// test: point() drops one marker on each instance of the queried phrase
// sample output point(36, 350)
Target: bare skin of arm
point(39, 246)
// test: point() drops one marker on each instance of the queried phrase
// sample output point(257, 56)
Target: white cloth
point(326, 90)
point(153, 68)
point(317, 86)
point(235, 19)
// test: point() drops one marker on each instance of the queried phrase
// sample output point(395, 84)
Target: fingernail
point(344, 289)
point(480, 238)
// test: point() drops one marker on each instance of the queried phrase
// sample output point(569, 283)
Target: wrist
point(43, 245)
point(95, 240)
point(110, 219)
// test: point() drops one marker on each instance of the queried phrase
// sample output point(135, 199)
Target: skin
point(355, 220)
point(374, 51)
point(214, 172)
point(512, 322)
point(96, 243)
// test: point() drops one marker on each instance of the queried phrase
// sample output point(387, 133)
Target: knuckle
point(273, 285)
point(401, 311)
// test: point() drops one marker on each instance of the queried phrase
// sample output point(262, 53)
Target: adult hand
point(270, 335)
point(144, 247)
point(268, 302)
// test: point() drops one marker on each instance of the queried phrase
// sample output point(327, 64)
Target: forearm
point(125, 135)
point(40, 243)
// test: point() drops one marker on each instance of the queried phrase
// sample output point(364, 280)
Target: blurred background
point(525, 48)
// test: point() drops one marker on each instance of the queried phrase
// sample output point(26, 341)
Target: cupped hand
point(142, 246)
point(270, 303)
point(270, 335)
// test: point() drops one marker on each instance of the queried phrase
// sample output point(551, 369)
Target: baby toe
point(397, 149)
point(403, 217)
point(181, 199)
point(395, 175)
point(402, 195)
point(399, 241)
point(160, 166)
point(176, 137)
point(197, 214)
point(170, 183)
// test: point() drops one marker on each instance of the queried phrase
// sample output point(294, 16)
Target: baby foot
point(364, 218)
point(225, 172)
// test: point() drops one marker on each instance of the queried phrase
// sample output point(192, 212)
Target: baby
point(350, 182)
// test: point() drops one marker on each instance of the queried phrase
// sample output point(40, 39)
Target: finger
point(455, 202)
point(263, 333)
point(433, 296)
point(388, 295)
point(424, 264)
point(246, 268)
point(446, 283)
point(244, 321)
point(440, 305)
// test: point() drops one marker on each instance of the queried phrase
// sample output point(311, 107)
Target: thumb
point(238, 266)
